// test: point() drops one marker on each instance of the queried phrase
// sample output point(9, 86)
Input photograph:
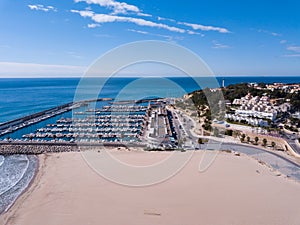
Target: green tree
point(248, 139)
point(264, 142)
point(256, 139)
point(229, 132)
point(273, 144)
point(243, 137)
point(200, 141)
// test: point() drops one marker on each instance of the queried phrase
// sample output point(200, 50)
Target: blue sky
point(61, 38)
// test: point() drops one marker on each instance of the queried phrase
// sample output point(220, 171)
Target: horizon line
point(142, 76)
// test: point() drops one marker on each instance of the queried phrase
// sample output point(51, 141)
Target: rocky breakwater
point(10, 149)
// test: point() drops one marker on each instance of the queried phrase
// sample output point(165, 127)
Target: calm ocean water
point(20, 96)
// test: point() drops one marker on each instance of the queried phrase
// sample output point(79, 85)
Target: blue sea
point(24, 96)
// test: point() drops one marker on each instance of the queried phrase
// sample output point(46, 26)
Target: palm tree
point(248, 139)
point(273, 144)
point(256, 139)
point(243, 137)
point(265, 142)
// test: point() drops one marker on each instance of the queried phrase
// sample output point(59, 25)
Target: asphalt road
point(289, 139)
point(276, 161)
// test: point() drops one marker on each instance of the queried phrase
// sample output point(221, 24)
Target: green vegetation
point(207, 125)
point(210, 105)
point(295, 122)
point(243, 137)
point(199, 98)
point(248, 139)
point(234, 91)
point(290, 128)
point(228, 132)
point(256, 139)
point(264, 142)
point(242, 122)
point(273, 144)
point(200, 141)
point(213, 99)
point(295, 101)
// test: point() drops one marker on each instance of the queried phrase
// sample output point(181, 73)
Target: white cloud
point(144, 14)
point(294, 48)
point(15, 69)
point(205, 28)
point(167, 19)
point(195, 33)
point(138, 31)
point(167, 37)
point(124, 8)
point(151, 34)
point(117, 7)
point(74, 54)
point(269, 32)
point(105, 18)
point(93, 25)
point(275, 34)
point(217, 45)
point(42, 8)
point(83, 13)
point(292, 55)
point(283, 41)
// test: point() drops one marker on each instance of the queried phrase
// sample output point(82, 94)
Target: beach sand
point(235, 190)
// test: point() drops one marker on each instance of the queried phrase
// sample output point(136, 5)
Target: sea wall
point(40, 148)
point(8, 149)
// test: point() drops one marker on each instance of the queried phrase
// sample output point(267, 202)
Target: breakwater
point(40, 148)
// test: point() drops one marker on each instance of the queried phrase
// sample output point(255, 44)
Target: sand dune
point(234, 190)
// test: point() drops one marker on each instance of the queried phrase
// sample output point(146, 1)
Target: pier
point(16, 124)
point(25, 121)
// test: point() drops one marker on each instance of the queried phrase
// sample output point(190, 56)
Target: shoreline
point(26, 192)
point(33, 162)
point(34, 193)
point(43, 157)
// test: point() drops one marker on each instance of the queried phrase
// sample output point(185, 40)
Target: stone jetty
point(40, 148)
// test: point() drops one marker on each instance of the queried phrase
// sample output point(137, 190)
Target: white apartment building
point(256, 110)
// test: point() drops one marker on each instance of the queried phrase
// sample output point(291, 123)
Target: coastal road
point(276, 161)
point(291, 140)
point(273, 159)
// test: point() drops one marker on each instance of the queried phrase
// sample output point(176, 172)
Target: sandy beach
point(234, 190)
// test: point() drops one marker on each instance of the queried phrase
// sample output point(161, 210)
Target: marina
point(146, 123)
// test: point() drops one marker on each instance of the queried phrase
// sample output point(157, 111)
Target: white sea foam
point(11, 172)
point(9, 197)
point(1, 160)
